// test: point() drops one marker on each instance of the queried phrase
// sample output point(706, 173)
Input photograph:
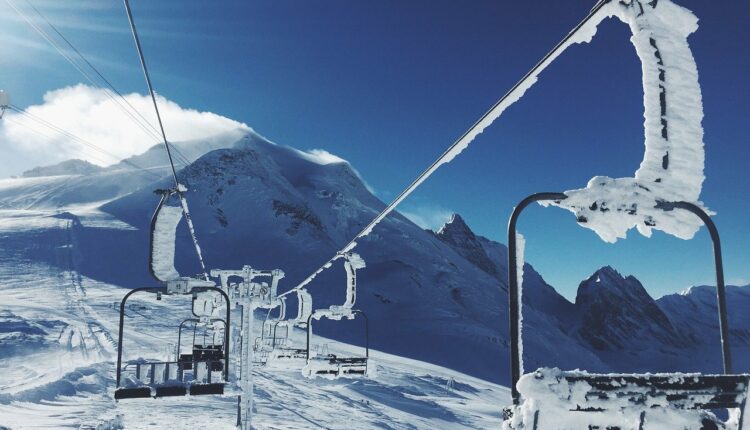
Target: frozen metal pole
point(247, 366)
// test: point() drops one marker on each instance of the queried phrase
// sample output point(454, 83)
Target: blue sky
point(388, 85)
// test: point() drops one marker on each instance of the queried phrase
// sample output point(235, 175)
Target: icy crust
point(556, 403)
point(163, 243)
point(520, 249)
point(672, 167)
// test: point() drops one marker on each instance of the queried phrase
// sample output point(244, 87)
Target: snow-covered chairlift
point(283, 353)
point(332, 365)
point(265, 343)
point(564, 397)
point(157, 378)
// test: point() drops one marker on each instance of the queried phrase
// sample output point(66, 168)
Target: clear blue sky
point(388, 85)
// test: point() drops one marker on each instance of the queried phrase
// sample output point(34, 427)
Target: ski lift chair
point(204, 351)
point(157, 378)
point(332, 365)
point(643, 392)
point(282, 350)
point(265, 343)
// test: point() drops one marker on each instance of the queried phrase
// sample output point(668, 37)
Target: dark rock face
point(616, 313)
point(457, 234)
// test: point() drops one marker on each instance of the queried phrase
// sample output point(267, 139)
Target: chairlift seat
point(205, 389)
point(680, 391)
point(341, 365)
point(132, 393)
point(170, 391)
point(291, 353)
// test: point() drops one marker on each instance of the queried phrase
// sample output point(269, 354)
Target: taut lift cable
point(178, 187)
point(493, 113)
point(127, 108)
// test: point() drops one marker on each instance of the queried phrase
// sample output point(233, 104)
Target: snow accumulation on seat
point(565, 400)
point(672, 167)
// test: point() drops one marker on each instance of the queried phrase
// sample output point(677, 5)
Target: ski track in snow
point(64, 378)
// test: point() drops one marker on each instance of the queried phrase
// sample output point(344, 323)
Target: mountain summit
point(616, 314)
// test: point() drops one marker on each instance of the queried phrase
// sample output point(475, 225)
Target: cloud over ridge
point(91, 115)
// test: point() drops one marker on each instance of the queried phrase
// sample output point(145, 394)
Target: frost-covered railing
point(515, 292)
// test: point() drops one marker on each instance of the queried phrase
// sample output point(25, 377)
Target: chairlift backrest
point(4, 99)
point(261, 294)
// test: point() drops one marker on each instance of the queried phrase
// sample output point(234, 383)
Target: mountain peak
point(459, 236)
point(616, 311)
point(68, 167)
point(455, 225)
point(606, 274)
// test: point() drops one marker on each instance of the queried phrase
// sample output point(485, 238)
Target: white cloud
point(92, 116)
point(427, 216)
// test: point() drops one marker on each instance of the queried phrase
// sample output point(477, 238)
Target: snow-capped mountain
point(438, 297)
point(69, 167)
point(76, 182)
point(695, 312)
point(630, 331)
point(435, 296)
point(616, 313)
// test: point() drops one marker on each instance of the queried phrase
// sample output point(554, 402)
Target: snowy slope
point(57, 370)
point(695, 312)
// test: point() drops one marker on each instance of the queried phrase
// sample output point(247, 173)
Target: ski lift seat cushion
point(132, 393)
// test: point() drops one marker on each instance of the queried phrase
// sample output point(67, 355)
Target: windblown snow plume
point(672, 167)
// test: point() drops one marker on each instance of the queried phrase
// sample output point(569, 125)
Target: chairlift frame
point(343, 365)
point(170, 390)
point(727, 387)
point(332, 358)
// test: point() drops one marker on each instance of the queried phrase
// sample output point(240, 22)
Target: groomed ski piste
point(60, 372)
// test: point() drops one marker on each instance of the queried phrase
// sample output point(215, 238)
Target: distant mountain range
point(435, 296)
